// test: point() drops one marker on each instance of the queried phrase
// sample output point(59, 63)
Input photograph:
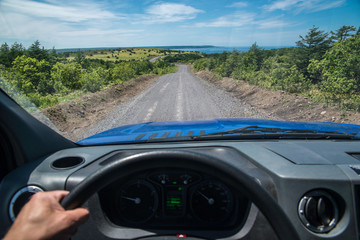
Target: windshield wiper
point(266, 132)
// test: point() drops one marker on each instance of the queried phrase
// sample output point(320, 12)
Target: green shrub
point(92, 81)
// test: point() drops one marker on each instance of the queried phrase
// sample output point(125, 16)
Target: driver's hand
point(44, 218)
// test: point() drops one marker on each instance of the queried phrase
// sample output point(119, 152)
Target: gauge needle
point(211, 201)
point(135, 200)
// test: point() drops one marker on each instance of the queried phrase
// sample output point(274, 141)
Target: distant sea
point(204, 49)
point(216, 49)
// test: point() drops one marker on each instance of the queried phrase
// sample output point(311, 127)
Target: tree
point(30, 73)
point(312, 46)
point(8, 55)
point(142, 67)
point(123, 72)
point(231, 63)
point(4, 49)
point(202, 64)
point(343, 33)
point(340, 67)
point(67, 74)
point(16, 50)
point(313, 38)
point(53, 57)
point(35, 51)
point(4, 55)
point(258, 54)
point(315, 43)
point(79, 57)
point(94, 80)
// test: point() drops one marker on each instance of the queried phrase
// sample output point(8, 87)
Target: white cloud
point(303, 5)
point(168, 12)
point(281, 5)
point(98, 37)
point(319, 5)
point(237, 19)
point(52, 10)
point(15, 25)
point(237, 5)
point(244, 19)
point(172, 9)
point(60, 24)
point(272, 23)
point(100, 32)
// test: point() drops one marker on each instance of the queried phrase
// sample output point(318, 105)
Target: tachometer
point(211, 201)
point(137, 201)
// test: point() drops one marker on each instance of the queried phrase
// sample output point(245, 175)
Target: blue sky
point(131, 23)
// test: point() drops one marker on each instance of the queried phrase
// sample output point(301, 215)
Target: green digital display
point(174, 203)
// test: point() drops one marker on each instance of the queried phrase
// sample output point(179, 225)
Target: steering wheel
point(179, 158)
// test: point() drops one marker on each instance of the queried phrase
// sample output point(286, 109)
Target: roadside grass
point(54, 99)
point(72, 95)
point(128, 54)
point(345, 102)
point(125, 54)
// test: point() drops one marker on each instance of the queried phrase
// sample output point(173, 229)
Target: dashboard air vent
point(20, 198)
point(67, 162)
point(318, 211)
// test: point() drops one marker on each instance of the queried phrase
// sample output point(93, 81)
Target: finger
point(78, 215)
point(51, 195)
point(58, 194)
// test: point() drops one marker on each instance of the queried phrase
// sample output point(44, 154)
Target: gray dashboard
point(316, 182)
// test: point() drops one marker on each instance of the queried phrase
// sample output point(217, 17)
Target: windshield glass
point(84, 67)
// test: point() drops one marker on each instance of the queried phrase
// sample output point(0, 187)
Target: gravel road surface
point(176, 97)
point(155, 58)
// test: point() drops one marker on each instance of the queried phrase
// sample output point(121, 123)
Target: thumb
point(78, 216)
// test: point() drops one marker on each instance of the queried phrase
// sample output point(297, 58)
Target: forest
point(323, 66)
point(47, 77)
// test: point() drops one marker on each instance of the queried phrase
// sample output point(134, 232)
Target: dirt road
point(183, 96)
point(179, 96)
point(155, 58)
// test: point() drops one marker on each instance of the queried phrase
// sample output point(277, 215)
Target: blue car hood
point(162, 130)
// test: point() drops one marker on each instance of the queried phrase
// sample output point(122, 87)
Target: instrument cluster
point(175, 198)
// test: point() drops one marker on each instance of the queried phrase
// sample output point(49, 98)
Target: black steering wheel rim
point(125, 166)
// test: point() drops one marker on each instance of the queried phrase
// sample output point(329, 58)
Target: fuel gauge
point(163, 178)
point(186, 179)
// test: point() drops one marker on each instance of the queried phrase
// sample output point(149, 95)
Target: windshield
point(84, 67)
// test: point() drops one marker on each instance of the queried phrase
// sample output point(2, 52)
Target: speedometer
point(211, 201)
point(137, 201)
point(175, 198)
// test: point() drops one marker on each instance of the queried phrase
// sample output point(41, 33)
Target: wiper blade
point(256, 132)
point(266, 132)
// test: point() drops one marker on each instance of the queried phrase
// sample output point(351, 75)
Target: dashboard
point(316, 183)
point(173, 199)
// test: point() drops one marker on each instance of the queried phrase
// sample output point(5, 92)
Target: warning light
point(181, 235)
